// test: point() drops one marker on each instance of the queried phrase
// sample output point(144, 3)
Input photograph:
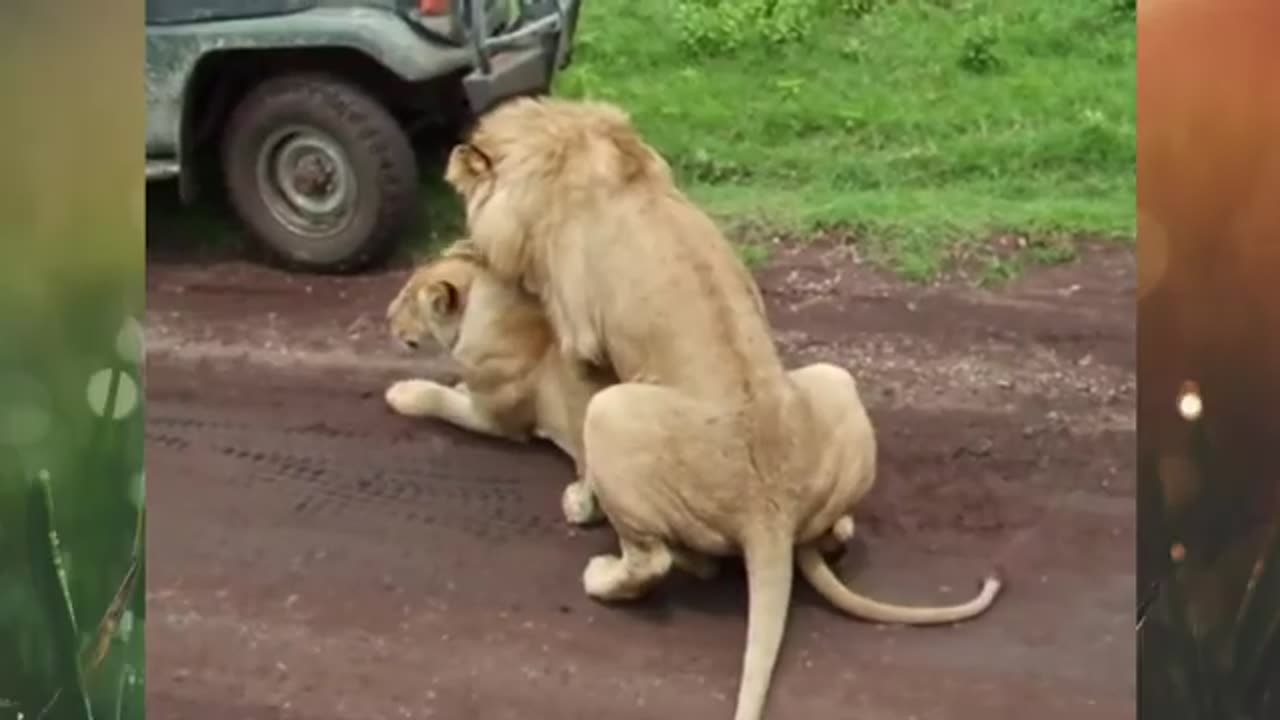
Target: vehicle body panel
point(173, 53)
point(166, 12)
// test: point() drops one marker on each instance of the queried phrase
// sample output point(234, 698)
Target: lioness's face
point(432, 304)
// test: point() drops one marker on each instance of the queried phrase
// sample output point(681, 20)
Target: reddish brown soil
point(315, 557)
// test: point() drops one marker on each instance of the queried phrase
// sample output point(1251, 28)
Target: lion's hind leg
point(834, 396)
point(641, 565)
point(651, 456)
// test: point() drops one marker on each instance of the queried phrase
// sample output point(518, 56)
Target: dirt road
point(313, 556)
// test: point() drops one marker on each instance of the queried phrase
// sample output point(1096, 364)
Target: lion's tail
point(815, 569)
point(768, 559)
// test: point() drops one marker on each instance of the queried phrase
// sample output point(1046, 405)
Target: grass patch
point(920, 124)
point(441, 220)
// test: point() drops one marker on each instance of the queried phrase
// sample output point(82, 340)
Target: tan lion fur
point(515, 382)
point(707, 444)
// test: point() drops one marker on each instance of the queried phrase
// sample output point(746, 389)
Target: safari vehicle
point(305, 109)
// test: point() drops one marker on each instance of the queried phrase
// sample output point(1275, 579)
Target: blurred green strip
point(139, 603)
point(72, 263)
point(49, 580)
point(126, 682)
point(120, 602)
point(103, 427)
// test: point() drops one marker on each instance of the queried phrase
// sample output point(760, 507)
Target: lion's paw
point(579, 504)
point(843, 530)
point(835, 542)
point(600, 579)
point(412, 397)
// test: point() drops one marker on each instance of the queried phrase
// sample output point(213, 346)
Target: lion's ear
point(471, 160)
point(442, 296)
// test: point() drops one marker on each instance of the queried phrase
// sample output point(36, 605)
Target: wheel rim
point(307, 181)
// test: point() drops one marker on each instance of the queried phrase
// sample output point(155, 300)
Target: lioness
point(514, 382)
point(707, 444)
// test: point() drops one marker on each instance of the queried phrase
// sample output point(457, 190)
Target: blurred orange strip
point(1209, 224)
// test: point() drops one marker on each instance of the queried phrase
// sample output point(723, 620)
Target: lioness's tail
point(815, 569)
point(768, 560)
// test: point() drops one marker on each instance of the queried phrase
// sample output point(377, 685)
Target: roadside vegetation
point(923, 128)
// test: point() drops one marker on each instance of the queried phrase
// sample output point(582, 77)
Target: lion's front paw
point(416, 398)
point(601, 578)
point(579, 504)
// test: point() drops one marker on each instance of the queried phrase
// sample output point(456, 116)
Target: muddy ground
point(313, 556)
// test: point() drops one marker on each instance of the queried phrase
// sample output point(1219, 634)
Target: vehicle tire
point(322, 176)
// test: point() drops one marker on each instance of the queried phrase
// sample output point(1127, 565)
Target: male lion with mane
point(707, 444)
